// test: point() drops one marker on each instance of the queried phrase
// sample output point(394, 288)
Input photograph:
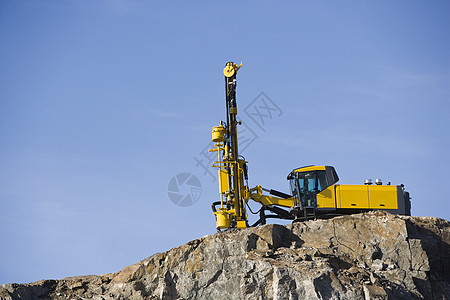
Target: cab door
point(315, 190)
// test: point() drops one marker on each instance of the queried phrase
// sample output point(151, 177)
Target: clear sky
point(102, 103)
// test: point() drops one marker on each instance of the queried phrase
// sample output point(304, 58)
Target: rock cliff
point(366, 256)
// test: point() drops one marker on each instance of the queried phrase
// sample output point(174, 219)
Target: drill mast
point(232, 168)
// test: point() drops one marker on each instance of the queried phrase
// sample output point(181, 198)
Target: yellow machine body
point(359, 197)
point(319, 189)
point(314, 189)
point(364, 197)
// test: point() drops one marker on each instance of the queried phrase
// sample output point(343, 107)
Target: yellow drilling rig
point(314, 189)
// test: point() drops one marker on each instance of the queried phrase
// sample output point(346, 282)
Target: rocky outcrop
point(366, 256)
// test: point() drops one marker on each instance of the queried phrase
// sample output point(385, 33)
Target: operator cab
point(306, 182)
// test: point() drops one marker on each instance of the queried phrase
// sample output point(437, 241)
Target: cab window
point(310, 183)
point(321, 180)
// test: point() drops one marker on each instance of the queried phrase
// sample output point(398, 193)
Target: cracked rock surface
point(373, 255)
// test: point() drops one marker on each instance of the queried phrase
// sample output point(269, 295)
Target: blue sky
point(104, 102)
